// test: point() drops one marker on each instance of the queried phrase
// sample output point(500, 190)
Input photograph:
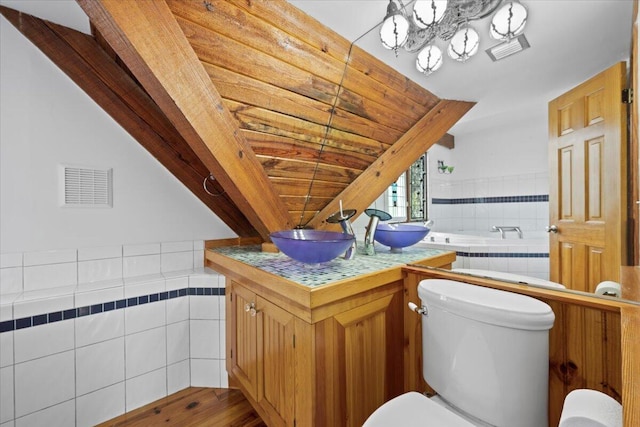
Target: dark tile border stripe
point(56, 316)
point(497, 199)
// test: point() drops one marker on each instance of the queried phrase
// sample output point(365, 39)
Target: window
point(417, 190)
point(397, 195)
point(407, 197)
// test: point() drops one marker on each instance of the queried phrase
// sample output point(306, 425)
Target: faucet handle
point(339, 216)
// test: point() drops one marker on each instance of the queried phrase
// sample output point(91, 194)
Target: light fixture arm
point(457, 13)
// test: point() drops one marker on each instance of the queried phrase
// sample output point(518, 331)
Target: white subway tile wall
point(474, 206)
point(145, 388)
point(101, 405)
point(459, 205)
point(89, 334)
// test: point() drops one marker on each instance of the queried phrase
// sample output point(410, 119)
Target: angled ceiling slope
point(97, 73)
point(286, 114)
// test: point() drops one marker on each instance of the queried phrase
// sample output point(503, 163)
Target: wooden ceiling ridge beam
point(146, 36)
point(369, 185)
point(83, 60)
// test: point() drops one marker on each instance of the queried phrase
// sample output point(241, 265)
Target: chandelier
point(448, 20)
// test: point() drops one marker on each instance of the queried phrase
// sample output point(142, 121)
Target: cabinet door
point(359, 360)
point(242, 339)
point(276, 375)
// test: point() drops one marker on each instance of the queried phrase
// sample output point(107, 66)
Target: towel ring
point(204, 185)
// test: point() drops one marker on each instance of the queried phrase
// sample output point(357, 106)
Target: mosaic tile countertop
point(313, 275)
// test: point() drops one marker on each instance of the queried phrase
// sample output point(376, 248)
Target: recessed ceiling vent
point(86, 187)
point(508, 48)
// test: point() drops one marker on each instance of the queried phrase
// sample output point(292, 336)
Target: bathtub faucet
point(504, 228)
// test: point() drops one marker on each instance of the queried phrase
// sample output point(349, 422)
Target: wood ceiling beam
point(85, 62)
point(146, 36)
point(369, 185)
point(447, 141)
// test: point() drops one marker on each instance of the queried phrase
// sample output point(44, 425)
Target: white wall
point(505, 157)
point(46, 120)
point(503, 147)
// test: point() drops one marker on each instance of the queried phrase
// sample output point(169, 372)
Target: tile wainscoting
point(478, 204)
point(89, 334)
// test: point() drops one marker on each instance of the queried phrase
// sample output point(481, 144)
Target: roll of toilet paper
point(608, 288)
point(590, 408)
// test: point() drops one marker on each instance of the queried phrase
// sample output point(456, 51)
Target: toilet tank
point(486, 351)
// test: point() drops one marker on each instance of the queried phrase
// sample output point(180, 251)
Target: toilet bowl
point(413, 409)
point(475, 343)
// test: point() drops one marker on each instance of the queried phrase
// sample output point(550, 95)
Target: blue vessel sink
point(398, 236)
point(312, 246)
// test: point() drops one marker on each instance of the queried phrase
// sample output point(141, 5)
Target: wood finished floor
point(193, 407)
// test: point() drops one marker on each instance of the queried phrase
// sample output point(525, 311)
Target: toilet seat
point(414, 409)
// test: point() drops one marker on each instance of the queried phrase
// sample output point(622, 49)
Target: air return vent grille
point(85, 187)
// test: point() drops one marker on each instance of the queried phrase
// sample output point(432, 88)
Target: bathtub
point(485, 250)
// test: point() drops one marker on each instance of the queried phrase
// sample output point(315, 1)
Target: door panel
point(276, 387)
point(594, 180)
point(566, 183)
point(245, 360)
point(587, 174)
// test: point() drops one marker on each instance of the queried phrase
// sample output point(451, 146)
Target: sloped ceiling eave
point(287, 115)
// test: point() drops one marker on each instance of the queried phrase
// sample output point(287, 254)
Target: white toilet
point(485, 353)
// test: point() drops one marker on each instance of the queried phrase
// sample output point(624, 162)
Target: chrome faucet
point(503, 228)
point(375, 216)
point(342, 217)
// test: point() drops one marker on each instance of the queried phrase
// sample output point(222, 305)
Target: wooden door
point(242, 357)
point(276, 363)
point(588, 178)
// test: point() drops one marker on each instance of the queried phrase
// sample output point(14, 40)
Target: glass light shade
point(464, 44)
point(429, 59)
point(394, 31)
point(428, 12)
point(509, 21)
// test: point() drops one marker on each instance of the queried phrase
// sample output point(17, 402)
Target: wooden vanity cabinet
point(261, 353)
point(334, 372)
point(315, 356)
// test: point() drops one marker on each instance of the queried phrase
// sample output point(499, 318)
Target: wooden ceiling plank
point(289, 18)
point(294, 187)
point(216, 49)
point(300, 203)
point(268, 145)
point(149, 40)
point(248, 90)
point(270, 121)
point(262, 120)
point(384, 75)
point(258, 47)
point(83, 60)
point(245, 89)
point(298, 24)
point(364, 96)
point(292, 168)
point(376, 179)
point(237, 24)
point(308, 30)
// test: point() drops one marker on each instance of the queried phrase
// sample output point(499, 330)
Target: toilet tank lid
point(486, 305)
